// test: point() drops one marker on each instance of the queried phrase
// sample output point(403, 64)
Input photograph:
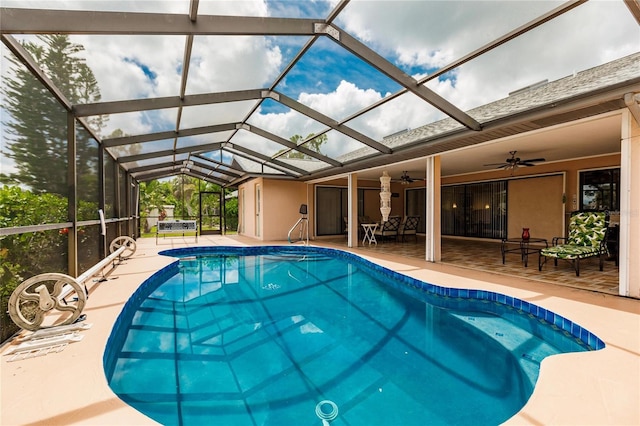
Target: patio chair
point(364, 219)
point(587, 238)
point(361, 220)
point(388, 228)
point(409, 226)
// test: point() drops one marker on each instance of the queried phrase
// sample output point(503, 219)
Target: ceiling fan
point(405, 179)
point(515, 162)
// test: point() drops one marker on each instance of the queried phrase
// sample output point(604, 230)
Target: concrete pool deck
point(597, 388)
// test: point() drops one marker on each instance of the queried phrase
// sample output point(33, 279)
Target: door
point(211, 213)
point(242, 222)
point(257, 210)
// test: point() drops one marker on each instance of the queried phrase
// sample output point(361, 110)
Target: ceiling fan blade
point(532, 160)
point(497, 164)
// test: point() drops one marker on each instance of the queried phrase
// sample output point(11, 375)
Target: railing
point(303, 224)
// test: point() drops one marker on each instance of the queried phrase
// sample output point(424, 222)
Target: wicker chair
point(587, 238)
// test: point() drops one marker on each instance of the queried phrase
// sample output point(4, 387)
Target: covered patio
point(485, 256)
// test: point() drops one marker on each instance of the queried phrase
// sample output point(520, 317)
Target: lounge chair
point(388, 228)
point(587, 238)
point(409, 226)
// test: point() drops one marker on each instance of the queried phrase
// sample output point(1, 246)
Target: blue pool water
point(286, 335)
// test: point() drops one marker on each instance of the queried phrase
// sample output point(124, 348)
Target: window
point(415, 205)
point(599, 190)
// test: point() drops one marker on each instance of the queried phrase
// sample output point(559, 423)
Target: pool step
point(529, 349)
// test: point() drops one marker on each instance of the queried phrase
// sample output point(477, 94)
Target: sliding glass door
point(475, 210)
point(416, 205)
point(332, 206)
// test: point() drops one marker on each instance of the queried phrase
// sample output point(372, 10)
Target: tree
point(154, 194)
point(184, 189)
point(30, 253)
point(314, 145)
point(37, 123)
point(231, 213)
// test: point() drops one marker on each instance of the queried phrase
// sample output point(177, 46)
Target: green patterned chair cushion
point(587, 231)
point(569, 251)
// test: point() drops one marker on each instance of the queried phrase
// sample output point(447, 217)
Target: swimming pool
point(288, 335)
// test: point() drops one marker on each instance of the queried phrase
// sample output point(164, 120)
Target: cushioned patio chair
point(587, 238)
point(388, 228)
point(409, 226)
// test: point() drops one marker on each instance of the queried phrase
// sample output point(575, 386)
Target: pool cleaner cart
point(302, 225)
point(50, 305)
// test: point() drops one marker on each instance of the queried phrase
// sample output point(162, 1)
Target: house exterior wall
point(280, 205)
point(536, 203)
point(283, 198)
point(540, 198)
point(549, 193)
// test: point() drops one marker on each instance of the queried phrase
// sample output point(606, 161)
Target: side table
point(369, 233)
point(523, 247)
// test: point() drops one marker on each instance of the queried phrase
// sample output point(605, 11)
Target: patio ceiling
point(225, 91)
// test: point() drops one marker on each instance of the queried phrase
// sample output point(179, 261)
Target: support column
point(72, 197)
point(352, 210)
point(629, 241)
point(102, 196)
point(433, 240)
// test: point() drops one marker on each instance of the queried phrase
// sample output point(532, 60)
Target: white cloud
point(416, 35)
point(344, 101)
point(232, 63)
point(432, 34)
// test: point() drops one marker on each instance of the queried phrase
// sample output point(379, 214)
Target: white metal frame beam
point(41, 21)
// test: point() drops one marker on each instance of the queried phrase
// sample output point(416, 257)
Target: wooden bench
point(176, 227)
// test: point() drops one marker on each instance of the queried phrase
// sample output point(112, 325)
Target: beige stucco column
point(352, 190)
point(433, 234)
point(629, 249)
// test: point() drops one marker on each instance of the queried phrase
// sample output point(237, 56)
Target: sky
point(417, 36)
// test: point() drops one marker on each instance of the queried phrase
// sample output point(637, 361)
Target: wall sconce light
point(486, 206)
point(455, 206)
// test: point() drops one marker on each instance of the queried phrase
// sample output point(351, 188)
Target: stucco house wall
point(280, 202)
point(536, 203)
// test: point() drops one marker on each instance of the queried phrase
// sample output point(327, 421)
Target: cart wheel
point(128, 242)
point(43, 294)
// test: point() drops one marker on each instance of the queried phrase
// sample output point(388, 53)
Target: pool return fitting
point(327, 411)
point(44, 294)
